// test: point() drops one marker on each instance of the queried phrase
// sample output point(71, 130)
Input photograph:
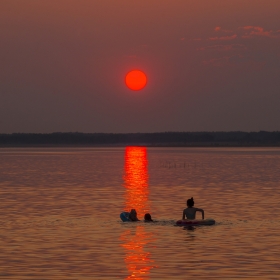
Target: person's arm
point(183, 218)
point(202, 212)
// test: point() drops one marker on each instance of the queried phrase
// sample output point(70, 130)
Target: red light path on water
point(138, 259)
point(136, 180)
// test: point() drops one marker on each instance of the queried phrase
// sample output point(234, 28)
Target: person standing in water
point(190, 211)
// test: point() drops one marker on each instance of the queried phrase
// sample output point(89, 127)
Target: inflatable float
point(206, 222)
point(124, 216)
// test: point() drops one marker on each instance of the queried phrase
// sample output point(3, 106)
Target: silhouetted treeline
point(161, 139)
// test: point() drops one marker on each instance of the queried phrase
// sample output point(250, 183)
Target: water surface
point(60, 213)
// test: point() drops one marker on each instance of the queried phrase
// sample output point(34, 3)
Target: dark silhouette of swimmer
point(133, 215)
point(190, 211)
point(148, 217)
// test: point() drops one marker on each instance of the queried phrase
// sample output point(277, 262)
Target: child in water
point(133, 215)
point(190, 212)
point(148, 218)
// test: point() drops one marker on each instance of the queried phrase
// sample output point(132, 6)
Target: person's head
point(148, 217)
point(133, 213)
point(190, 202)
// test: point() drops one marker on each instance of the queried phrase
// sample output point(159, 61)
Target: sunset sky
point(211, 65)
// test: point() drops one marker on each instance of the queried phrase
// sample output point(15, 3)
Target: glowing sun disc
point(135, 80)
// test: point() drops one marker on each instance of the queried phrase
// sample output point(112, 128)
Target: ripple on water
point(60, 215)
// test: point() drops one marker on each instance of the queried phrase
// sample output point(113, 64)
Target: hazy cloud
point(231, 47)
point(224, 38)
point(219, 29)
point(251, 31)
point(240, 52)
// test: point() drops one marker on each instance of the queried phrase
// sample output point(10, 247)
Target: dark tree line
point(180, 139)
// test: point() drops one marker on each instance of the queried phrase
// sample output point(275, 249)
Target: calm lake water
point(60, 213)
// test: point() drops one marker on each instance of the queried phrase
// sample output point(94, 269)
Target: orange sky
point(211, 65)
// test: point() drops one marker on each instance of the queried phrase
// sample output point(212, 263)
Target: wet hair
point(148, 217)
point(133, 215)
point(190, 202)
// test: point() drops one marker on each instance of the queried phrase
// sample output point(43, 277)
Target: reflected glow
point(135, 241)
point(138, 259)
point(136, 180)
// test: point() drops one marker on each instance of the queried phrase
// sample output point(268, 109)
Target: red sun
point(135, 80)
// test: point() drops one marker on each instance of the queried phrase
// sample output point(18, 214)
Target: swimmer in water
point(133, 215)
point(148, 218)
point(190, 211)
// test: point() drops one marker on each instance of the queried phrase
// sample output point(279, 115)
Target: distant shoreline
point(160, 139)
point(139, 145)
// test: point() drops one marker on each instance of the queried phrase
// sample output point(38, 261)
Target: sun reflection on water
point(135, 241)
point(136, 180)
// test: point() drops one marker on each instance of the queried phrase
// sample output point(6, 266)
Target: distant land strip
point(159, 139)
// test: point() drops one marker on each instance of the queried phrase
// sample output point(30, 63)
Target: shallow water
point(60, 213)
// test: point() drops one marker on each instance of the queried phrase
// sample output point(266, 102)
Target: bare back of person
point(189, 213)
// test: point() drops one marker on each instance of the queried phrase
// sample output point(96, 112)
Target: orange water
point(60, 213)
